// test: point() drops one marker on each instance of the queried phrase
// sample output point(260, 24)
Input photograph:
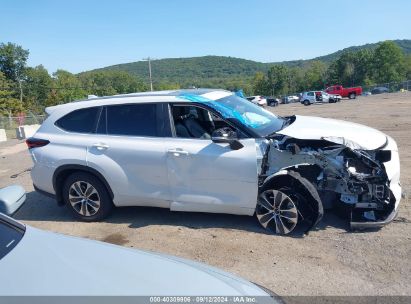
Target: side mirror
point(227, 138)
point(11, 199)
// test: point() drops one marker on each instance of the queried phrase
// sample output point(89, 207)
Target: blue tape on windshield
point(224, 110)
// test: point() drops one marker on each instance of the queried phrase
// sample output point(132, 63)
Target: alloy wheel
point(84, 198)
point(277, 212)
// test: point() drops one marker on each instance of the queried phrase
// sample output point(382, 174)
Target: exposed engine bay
point(344, 175)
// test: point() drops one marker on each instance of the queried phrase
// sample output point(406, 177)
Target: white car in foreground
point(37, 263)
point(206, 150)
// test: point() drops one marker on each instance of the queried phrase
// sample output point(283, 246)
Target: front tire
point(278, 211)
point(87, 197)
point(307, 102)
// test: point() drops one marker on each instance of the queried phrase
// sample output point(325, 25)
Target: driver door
point(205, 176)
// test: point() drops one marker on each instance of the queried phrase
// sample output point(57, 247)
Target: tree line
point(386, 63)
point(31, 89)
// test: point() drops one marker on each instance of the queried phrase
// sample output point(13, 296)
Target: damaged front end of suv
point(308, 164)
point(300, 177)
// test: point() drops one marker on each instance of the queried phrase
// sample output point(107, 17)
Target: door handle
point(177, 152)
point(101, 146)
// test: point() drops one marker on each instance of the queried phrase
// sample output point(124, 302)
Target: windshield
point(11, 233)
point(249, 114)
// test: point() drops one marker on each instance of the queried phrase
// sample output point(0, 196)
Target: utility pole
point(149, 72)
point(20, 87)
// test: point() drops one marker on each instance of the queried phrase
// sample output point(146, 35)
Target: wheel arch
point(294, 179)
point(62, 172)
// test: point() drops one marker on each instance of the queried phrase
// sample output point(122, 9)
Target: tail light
point(36, 142)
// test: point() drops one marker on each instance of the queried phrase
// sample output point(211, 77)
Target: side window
point(79, 121)
point(132, 119)
point(310, 93)
point(102, 122)
point(196, 122)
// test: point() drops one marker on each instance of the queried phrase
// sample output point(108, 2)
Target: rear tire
point(352, 96)
point(86, 197)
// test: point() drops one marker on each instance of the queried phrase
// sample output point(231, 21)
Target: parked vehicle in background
point(351, 93)
point(379, 90)
point(311, 97)
point(290, 99)
point(323, 96)
point(366, 93)
point(34, 262)
point(333, 98)
point(272, 102)
point(293, 98)
point(259, 100)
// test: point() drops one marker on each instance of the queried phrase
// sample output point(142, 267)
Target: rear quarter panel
point(64, 148)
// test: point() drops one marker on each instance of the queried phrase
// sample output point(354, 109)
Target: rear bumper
point(45, 193)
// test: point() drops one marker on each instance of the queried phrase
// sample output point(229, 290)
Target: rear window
point(132, 120)
point(79, 121)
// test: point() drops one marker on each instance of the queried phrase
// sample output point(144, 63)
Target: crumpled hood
point(347, 133)
point(45, 263)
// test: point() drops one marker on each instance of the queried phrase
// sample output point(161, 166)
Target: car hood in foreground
point(45, 263)
point(350, 134)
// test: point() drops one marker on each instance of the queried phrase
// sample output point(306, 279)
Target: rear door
point(208, 177)
point(128, 150)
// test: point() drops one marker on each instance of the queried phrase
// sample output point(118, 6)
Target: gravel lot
point(329, 261)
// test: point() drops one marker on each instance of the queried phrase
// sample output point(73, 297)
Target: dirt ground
point(329, 261)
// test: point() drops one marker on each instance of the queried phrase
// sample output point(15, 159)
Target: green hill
point(404, 44)
point(206, 70)
point(212, 71)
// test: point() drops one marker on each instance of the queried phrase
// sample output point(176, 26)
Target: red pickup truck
point(351, 93)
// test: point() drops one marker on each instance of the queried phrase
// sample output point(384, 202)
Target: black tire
point(307, 102)
point(352, 96)
point(74, 193)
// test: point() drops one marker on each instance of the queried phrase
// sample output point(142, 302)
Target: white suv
point(208, 150)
